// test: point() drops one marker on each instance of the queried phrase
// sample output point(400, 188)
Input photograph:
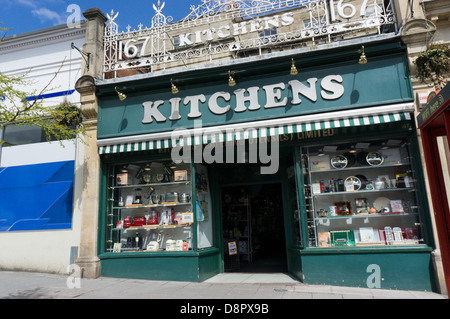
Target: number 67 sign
point(348, 10)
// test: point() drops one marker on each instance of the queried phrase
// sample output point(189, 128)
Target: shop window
point(21, 135)
point(150, 207)
point(361, 194)
point(203, 208)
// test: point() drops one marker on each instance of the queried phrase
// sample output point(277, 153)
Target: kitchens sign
point(219, 26)
point(326, 88)
point(242, 100)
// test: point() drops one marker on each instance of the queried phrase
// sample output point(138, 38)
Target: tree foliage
point(21, 105)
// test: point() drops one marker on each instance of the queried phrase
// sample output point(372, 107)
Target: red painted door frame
point(437, 188)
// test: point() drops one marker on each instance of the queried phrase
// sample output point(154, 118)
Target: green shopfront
point(319, 171)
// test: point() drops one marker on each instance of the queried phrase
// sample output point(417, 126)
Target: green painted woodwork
point(400, 268)
point(187, 266)
point(387, 74)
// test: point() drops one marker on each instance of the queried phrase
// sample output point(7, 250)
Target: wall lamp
point(174, 88)
point(294, 70)
point(122, 96)
point(362, 58)
point(231, 81)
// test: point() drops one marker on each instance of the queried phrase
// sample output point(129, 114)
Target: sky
point(29, 15)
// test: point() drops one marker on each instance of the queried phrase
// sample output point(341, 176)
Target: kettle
point(184, 198)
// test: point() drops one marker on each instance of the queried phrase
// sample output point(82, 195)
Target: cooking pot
point(171, 197)
point(184, 198)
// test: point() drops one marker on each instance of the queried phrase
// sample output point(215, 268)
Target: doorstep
point(252, 278)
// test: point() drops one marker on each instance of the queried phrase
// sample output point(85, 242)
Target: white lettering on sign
point(224, 31)
point(275, 96)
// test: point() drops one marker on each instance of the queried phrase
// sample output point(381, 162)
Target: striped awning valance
point(253, 130)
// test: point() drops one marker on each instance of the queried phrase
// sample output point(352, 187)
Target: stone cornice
point(33, 39)
point(437, 8)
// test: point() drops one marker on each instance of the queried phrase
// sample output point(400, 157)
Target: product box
point(342, 238)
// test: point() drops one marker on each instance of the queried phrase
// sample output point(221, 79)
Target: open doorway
point(253, 223)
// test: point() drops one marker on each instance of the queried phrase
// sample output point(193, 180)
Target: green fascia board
point(384, 80)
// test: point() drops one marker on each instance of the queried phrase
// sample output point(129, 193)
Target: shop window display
point(149, 207)
point(361, 194)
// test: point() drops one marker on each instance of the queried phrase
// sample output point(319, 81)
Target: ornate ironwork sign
point(227, 29)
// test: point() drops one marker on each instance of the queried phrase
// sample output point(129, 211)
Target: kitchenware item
point(159, 177)
point(146, 174)
point(153, 218)
point(339, 161)
point(166, 217)
point(171, 197)
point(171, 245)
point(184, 198)
point(361, 158)
point(127, 222)
point(138, 197)
point(379, 185)
point(139, 221)
point(179, 245)
point(381, 203)
point(333, 210)
point(339, 185)
point(388, 234)
point(155, 240)
point(180, 176)
point(153, 245)
point(374, 159)
point(397, 231)
point(148, 194)
point(322, 213)
point(363, 180)
point(352, 183)
point(156, 199)
point(177, 219)
point(138, 241)
point(343, 208)
point(350, 159)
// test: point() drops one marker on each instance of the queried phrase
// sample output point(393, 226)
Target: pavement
point(28, 285)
